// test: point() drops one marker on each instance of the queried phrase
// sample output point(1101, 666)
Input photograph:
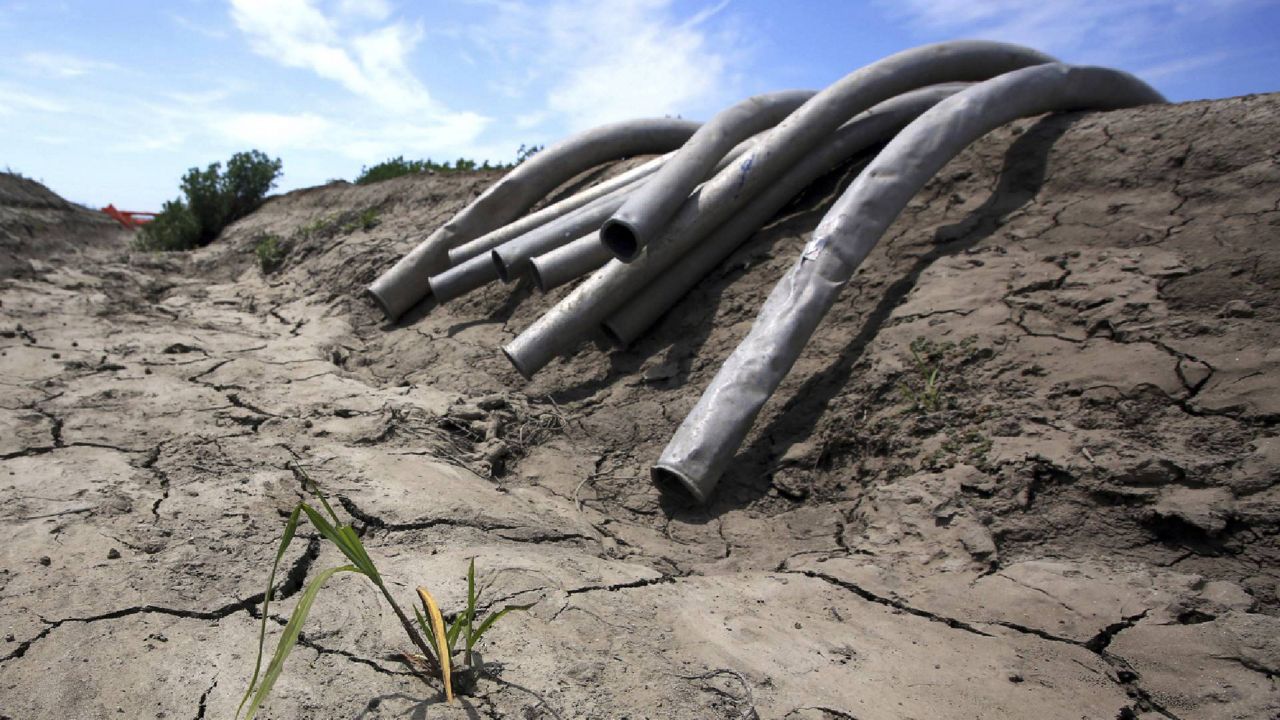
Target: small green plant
point(434, 658)
point(925, 393)
point(465, 625)
point(270, 251)
point(366, 219)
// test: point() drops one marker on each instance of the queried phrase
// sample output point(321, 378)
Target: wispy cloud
point(596, 62)
point(63, 65)
point(372, 64)
point(14, 99)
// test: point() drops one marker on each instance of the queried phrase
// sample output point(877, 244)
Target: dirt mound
point(1077, 518)
point(37, 223)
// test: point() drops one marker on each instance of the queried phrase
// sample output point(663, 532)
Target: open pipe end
point(378, 300)
point(621, 239)
point(669, 477)
point(535, 274)
point(515, 362)
point(504, 271)
point(612, 335)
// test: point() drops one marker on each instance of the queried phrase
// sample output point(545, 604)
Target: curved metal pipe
point(568, 262)
point(494, 238)
point(712, 432)
point(590, 303)
point(875, 126)
point(401, 287)
point(643, 216)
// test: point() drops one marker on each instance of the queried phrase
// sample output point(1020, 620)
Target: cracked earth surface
point(1082, 523)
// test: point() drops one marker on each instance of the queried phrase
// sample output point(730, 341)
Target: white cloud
point(13, 99)
point(63, 65)
point(598, 62)
point(273, 130)
point(373, 65)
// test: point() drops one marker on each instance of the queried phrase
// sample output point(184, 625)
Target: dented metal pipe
point(494, 238)
point(871, 128)
point(647, 211)
point(568, 262)
point(404, 285)
point(581, 312)
point(714, 430)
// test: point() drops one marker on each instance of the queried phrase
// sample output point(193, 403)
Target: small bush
point(270, 251)
point(213, 200)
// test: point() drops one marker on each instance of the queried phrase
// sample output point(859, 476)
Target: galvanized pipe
point(401, 287)
point(712, 432)
point(863, 133)
point(568, 262)
point(512, 258)
point(590, 303)
point(494, 238)
point(647, 211)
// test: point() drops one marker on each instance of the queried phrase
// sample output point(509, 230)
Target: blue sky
point(112, 102)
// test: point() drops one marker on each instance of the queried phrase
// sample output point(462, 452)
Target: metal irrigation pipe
point(582, 310)
point(647, 211)
point(713, 431)
point(401, 287)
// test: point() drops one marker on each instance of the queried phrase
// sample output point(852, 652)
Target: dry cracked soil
point(1078, 519)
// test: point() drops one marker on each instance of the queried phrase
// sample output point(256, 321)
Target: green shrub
point(214, 199)
point(270, 251)
point(175, 228)
point(398, 166)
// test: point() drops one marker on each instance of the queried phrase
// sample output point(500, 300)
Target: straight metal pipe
point(643, 216)
point(512, 257)
point(462, 278)
point(401, 287)
point(568, 262)
point(713, 431)
point(863, 133)
point(494, 238)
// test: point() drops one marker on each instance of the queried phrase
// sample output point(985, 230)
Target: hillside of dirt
point(1080, 523)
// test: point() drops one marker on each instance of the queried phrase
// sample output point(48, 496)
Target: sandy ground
point(1084, 527)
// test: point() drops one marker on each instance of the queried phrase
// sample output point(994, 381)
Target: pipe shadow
point(748, 478)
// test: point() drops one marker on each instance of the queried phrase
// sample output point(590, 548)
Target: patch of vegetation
point(366, 219)
point(397, 166)
point(214, 198)
point(924, 391)
point(430, 635)
point(270, 250)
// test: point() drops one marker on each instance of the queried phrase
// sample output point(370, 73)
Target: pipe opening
point(517, 365)
point(612, 335)
point(536, 275)
point(377, 300)
point(620, 238)
point(504, 272)
point(671, 479)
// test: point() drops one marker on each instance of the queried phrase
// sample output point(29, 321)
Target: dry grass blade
point(441, 637)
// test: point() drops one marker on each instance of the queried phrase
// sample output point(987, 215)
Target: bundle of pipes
point(658, 229)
